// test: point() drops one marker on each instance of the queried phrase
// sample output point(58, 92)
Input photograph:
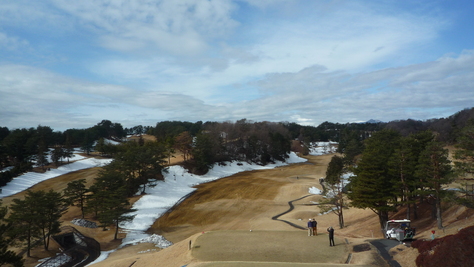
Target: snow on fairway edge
point(29, 179)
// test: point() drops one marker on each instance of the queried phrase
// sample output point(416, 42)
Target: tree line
point(36, 218)
point(392, 167)
point(19, 147)
point(135, 167)
point(396, 171)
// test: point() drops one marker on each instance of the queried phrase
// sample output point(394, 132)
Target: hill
point(258, 201)
point(249, 200)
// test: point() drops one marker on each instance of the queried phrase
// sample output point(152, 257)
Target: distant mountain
point(447, 129)
point(373, 121)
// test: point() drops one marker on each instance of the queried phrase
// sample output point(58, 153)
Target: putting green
point(261, 248)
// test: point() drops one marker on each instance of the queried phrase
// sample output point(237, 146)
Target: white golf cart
point(399, 229)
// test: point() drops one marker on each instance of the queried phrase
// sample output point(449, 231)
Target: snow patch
point(314, 190)
point(84, 223)
point(321, 148)
point(158, 240)
point(29, 179)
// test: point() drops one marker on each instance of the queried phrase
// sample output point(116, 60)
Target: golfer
point(331, 236)
point(310, 228)
point(315, 226)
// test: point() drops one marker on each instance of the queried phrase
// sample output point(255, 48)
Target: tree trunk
point(434, 210)
point(47, 242)
point(82, 208)
point(383, 218)
point(341, 219)
point(408, 209)
point(28, 239)
point(341, 207)
point(44, 240)
point(116, 229)
point(438, 213)
point(415, 210)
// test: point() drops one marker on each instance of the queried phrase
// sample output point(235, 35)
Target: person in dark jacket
point(315, 226)
point(331, 236)
point(310, 228)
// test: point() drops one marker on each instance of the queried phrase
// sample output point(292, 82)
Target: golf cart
point(399, 229)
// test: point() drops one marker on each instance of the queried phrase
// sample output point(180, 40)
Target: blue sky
point(70, 64)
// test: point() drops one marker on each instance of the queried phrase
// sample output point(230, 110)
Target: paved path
point(383, 246)
point(292, 207)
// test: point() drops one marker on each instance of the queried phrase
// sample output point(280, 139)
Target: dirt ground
point(229, 208)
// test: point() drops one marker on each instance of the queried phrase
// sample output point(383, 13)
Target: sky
point(71, 64)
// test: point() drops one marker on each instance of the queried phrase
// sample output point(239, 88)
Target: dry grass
point(58, 184)
point(245, 201)
point(145, 137)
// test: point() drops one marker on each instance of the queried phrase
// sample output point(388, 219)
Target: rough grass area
point(451, 250)
point(274, 246)
point(248, 201)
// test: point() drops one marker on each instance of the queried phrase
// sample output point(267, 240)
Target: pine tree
point(109, 199)
point(108, 180)
point(183, 143)
point(141, 166)
point(87, 143)
point(372, 187)
point(114, 210)
point(24, 215)
point(464, 162)
point(68, 149)
point(434, 169)
point(203, 152)
point(100, 146)
point(41, 159)
point(168, 144)
point(403, 164)
point(7, 256)
point(76, 194)
point(464, 155)
point(335, 183)
point(56, 155)
point(51, 206)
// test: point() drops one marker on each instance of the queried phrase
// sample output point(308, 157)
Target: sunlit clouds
point(140, 62)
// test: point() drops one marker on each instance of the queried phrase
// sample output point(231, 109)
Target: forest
point(396, 163)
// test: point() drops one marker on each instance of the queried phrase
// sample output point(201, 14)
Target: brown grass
point(246, 201)
point(145, 137)
point(58, 184)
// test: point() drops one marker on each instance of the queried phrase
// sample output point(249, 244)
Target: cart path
point(384, 246)
point(292, 207)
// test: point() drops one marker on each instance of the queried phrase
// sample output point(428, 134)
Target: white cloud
point(12, 43)
point(37, 95)
point(178, 27)
point(352, 37)
point(167, 101)
point(39, 16)
point(389, 94)
point(310, 96)
point(32, 95)
point(304, 61)
point(266, 3)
